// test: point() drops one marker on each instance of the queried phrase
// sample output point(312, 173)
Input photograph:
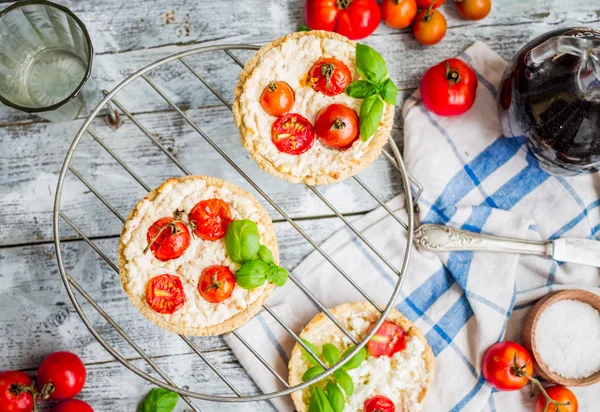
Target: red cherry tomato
point(389, 339)
point(168, 238)
point(216, 283)
point(210, 219)
point(449, 88)
point(292, 134)
point(16, 392)
point(355, 19)
point(73, 405)
point(497, 366)
point(61, 376)
point(398, 14)
point(277, 98)
point(559, 394)
point(430, 27)
point(424, 4)
point(330, 76)
point(379, 403)
point(473, 9)
point(337, 126)
point(165, 294)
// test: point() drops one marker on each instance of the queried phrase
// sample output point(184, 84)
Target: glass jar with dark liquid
point(550, 99)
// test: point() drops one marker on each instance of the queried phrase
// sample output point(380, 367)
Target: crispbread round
point(379, 139)
point(268, 239)
point(297, 366)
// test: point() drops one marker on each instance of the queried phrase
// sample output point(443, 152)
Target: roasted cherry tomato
point(216, 283)
point(16, 392)
point(559, 394)
point(379, 403)
point(449, 88)
point(277, 98)
point(337, 126)
point(354, 19)
point(292, 134)
point(330, 76)
point(165, 294)
point(168, 238)
point(430, 27)
point(498, 366)
point(424, 4)
point(73, 405)
point(398, 14)
point(61, 376)
point(210, 219)
point(473, 9)
point(389, 339)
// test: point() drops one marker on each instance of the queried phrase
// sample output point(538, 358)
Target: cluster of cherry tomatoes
point(357, 19)
point(336, 126)
point(508, 366)
point(60, 377)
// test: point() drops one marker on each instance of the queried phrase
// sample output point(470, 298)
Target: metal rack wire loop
point(73, 287)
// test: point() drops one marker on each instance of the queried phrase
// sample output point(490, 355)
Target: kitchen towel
point(476, 179)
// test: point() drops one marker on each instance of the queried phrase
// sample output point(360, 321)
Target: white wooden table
point(35, 315)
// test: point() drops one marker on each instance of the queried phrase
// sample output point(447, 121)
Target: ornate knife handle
point(445, 239)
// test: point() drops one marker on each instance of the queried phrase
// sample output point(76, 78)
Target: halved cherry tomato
point(168, 238)
point(292, 134)
point(73, 405)
point(389, 339)
point(16, 392)
point(210, 219)
point(473, 9)
point(165, 294)
point(559, 394)
point(337, 126)
point(449, 88)
point(498, 366)
point(424, 4)
point(430, 27)
point(354, 19)
point(330, 76)
point(61, 375)
point(216, 283)
point(398, 14)
point(277, 98)
point(379, 403)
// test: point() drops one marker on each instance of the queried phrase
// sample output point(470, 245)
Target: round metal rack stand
point(76, 291)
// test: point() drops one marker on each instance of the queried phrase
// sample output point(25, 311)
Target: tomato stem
point(429, 12)
point(327, 71)
point(19, 389)
point(338, 124)
point(452, 75)
point(272, 86)
point(343, 4)
point(215, 284)
point(174, 229)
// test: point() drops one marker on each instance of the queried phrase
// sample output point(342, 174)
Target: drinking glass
point(45, 59)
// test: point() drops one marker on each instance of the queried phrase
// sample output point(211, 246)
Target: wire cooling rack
point(111, 102)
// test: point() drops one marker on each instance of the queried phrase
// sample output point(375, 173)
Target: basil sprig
point(242, 242)
point(375, 88)
point(332, 398)
point(159, 400)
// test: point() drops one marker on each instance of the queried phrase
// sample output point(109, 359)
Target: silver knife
point(567, 249)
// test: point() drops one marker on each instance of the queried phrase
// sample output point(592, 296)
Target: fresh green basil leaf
point(360, 89)
point(265, 254)
point(371, 111)
point(356, 360)
point(344, 380)
point(159, 400)
point(313, 349)
point(319, 402)
point(331, 353)
point(312, 372)
point(370, 64)
point(304, 27)
point(277, 275)
point(252, 274)
point(335, 396)
point(242, 240)
point(389, 91)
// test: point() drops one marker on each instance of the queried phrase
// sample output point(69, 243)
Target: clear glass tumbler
point(45, 59)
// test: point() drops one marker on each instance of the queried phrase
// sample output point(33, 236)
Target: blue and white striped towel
point(476, 179)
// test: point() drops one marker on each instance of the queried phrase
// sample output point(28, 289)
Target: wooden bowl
point(528, 334)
